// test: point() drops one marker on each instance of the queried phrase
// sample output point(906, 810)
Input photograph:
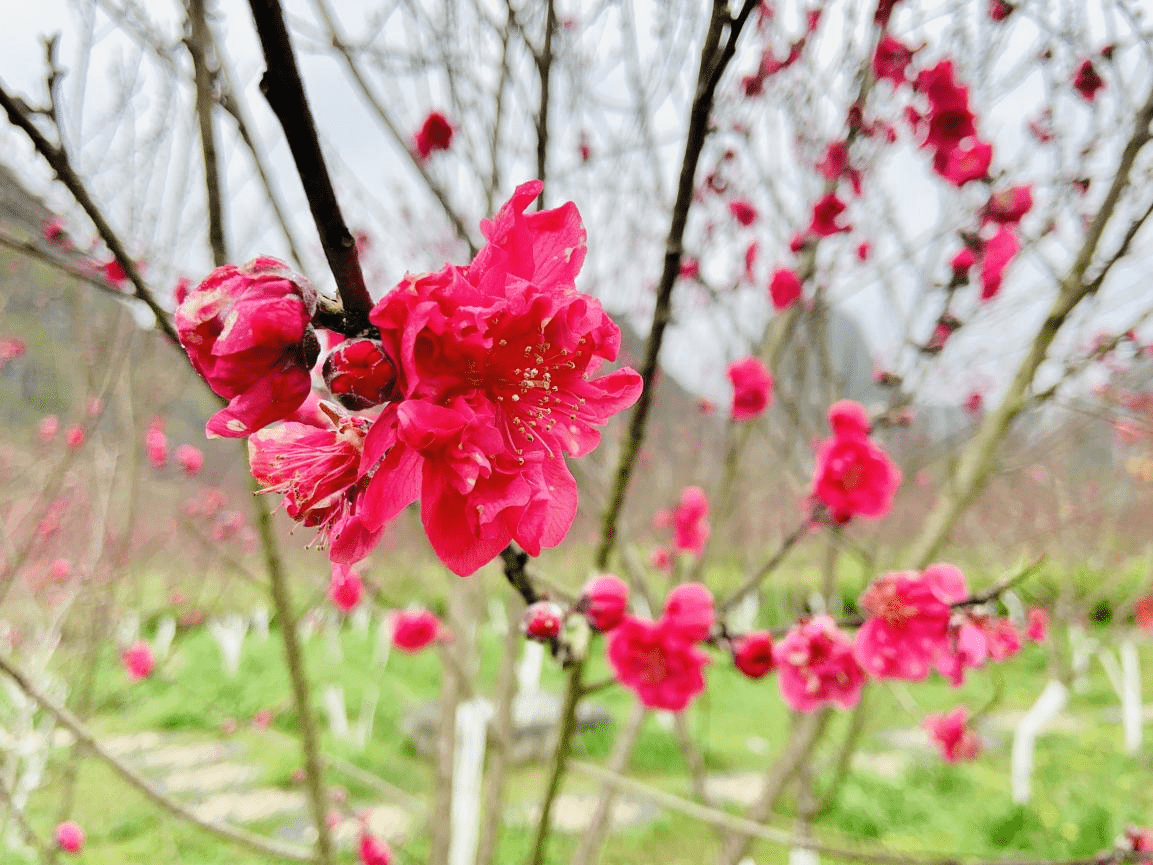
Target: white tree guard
point(165, 633)
point(229, 633)
point(1048, 706)
point(260, 622)
point(472, 718)
point(529, 669)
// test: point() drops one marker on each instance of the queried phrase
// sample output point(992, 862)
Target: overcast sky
point(370, 175)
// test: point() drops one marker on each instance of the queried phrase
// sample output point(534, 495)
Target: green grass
point(1086, 788)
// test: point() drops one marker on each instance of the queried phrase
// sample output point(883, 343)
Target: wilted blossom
point(655, 660)
point(604, 601)
point(816, 666)
point(138, 660)
point(495, 366)
point(907, 624)
point(191, 460)
point(853, 475)
point(345, 588)
point(413, 630)
point(246, 331)
point(956, 741)
point(434, 134)
point(753, 654)
point(69, 837)
point(1086, 81)
point(752, 388)
point(784, 289)
point(999, 10)
point(974, 639)
point(691, 521)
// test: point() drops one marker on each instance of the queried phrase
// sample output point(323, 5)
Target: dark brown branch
point(282, 87)
point(714, 59)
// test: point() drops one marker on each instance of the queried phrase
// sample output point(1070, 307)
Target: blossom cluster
point(477, 383)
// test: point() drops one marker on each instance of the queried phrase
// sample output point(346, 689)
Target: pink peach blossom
point(752, 388)
point(816, 666)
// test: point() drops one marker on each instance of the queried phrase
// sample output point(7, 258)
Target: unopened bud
point(604, 601)
point(542, 621)
point(753, 654)
point(359, 374)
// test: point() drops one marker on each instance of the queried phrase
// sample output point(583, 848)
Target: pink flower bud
point(345, 588)
point(753, 654)
point(75, 436)
point(70, 837)
point(246, 331)
point(604, 601)
point(1037, 624)
point(752, 388)
point(542, 621)
point(191, 459)
point(374, 852)
point(413, 630)
point(360, 375)
point(434, 134)
point(138, 661)
point(689, 611)
point(49, 426)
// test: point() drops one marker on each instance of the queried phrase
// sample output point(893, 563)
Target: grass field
point(1087, 789)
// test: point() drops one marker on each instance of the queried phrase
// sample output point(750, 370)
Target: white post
point(229, 633)
point(529, 669)
point(1131, 709)
point(335, 709)
point(468, 770)
point(260, 622)
point(165, 632)
point(1048, 706)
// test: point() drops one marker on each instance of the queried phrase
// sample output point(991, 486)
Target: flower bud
point(359, 374)
point(753, 654)
point(689, 611)
point(604, 601)
point(246, 331)
point(542, 621)
point(70, 837)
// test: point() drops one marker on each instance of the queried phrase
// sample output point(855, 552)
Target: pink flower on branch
point(495, 369)
point(604, 601)
point(156, 442)
point(345, 588)
point(752, 388)
point(816, 666)
point(753, 654)
point(435, 134)
point(413, 630)
point(908, 621)
point(1087, 81)
point(138, 661)
point(853, 475)
point(784, 289)
point(691, 521)
point(246, 331)
point(656, 661)
point(69, 837)
point(952, 735)
point(191, 459)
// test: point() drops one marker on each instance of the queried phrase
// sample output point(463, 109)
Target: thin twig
point(66, 719)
